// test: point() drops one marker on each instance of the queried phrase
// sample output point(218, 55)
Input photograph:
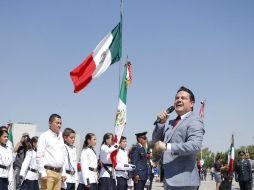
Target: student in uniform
point(9, 143)
point(107, 177)
point(70, 160)
point(89, 163)
point(123, 165)
point(29, 170)
point(6, 170)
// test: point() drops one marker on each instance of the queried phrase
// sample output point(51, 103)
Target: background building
point(22, 127)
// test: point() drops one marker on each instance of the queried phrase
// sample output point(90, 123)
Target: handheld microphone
point(169, 110)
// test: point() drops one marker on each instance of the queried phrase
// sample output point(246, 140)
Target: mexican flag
point(10, 136)
point(202, 109)
point(120, 121)
point(107, 52)
point(231, 156)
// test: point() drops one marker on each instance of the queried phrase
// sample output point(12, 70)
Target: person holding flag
point(107, 175)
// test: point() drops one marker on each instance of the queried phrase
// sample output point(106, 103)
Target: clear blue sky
point(207, 46)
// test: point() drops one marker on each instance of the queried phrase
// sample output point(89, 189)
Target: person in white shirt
point(89, 163)
point(122, 166)
point(70, 160)
point(29, 170)
point(6, 170)
point(107, 177)
point(9, 143)
point(50, 155)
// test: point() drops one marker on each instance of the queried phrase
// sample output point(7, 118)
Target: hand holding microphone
point(163, 116)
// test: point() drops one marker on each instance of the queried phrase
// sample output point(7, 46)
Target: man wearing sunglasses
point(138, 158)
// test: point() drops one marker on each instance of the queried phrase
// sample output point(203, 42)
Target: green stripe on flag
point(116, 45)
point(123, 91)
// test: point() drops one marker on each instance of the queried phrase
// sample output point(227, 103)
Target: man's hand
point(63, 178)
point(87, 186)
point(160, 146)
point(163, 116)
point(45, 178)
point(136, 178)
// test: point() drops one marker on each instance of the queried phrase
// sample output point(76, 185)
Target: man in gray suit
point(180, 139)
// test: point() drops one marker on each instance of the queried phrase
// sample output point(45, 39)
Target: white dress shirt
point(105, 158)
point(71, 163)
point(6, 159)
point(123, 165)
point(29, 162)
point(88, 159)
point(50, 152)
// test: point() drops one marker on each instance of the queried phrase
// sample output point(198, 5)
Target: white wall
point(19, 128)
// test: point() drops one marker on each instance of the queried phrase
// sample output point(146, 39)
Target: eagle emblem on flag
point(120, 117)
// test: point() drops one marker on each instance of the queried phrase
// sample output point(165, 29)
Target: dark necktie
point(178, 118)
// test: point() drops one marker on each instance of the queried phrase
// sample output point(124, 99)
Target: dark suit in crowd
point(243, 174)
point(138, 158)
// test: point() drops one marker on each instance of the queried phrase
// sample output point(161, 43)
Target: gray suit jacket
point(180, 166)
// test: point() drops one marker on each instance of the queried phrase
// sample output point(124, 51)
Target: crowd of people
point(50, 161)
point(220, 172)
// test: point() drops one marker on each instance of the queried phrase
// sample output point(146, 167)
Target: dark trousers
point(121, 183)
point(70, 186)
point(245, 185)
point(140, 185)
point(106, 183)
point(93, 186)
point(4, 183)
point(17, 178)
point(151, 181)
point(30, 185)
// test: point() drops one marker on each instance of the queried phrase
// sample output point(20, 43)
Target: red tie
point(178, 118)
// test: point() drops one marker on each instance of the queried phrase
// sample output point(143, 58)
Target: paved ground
point(205, 185)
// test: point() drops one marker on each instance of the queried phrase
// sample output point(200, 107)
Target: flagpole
point(120, 64)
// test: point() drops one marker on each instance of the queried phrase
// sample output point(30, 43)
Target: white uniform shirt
point(6, 159)
point(105, 158)
point(71, 163)
point(50, 152)
point(9, 144)
point(29, 162)
point(122, 163)
point(88, 159)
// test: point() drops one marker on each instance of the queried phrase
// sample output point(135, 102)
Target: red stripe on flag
point(113, 157)
point(231, 165)
point(81, 76)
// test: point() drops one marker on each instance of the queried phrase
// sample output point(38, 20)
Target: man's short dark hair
point(192, 97)
point(53, 116)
